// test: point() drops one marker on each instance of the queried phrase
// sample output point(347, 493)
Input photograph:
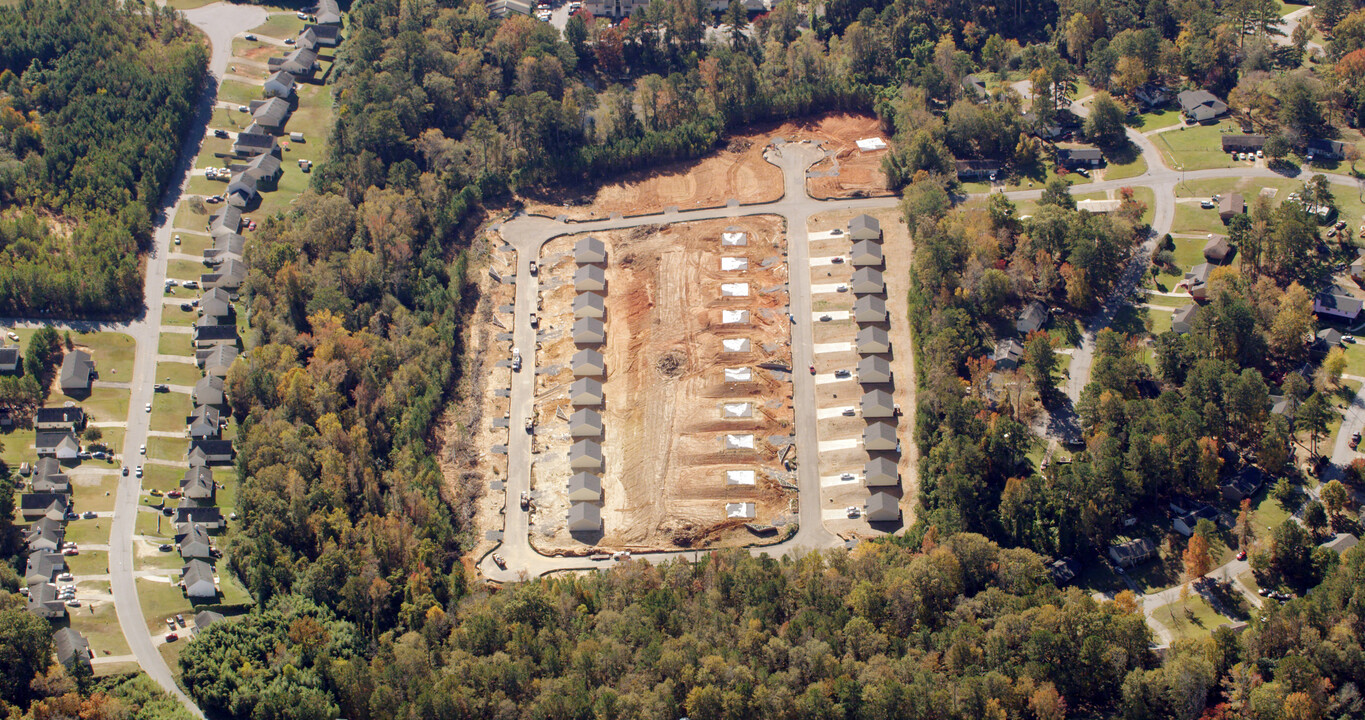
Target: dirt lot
point(469, 461)
point(664, 485)
point(834, 394)
point(737, 171)
point(848, 171)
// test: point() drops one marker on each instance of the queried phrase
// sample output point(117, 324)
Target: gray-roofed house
point(198, 484)
point(265, 168)
point(280, 84)
point(1326, 339)
point(1242, 484)
point(9, 359)
point(271, 115)
point(585, 391)
point(247, 144)
point(872, 341)
point(1186, 522)
point(216, 361)
point(214, 451)
point(971, 169)
point(209, 391)
point(873, 370)
point(320, 36)
point(1324, 149)
point(585, 422)
point(1008, 354)
point(204, 619)
point(878, 404)
point(59, 418)
point(195, 544)
point(590, 278)
point(204, 422)
point(329, 12)
point(1201, 106)
point(1063, 571)
point(1197, 280)
point(189, 512)
point(589, 331)
point(865, 227)
point(1233, 143)
point(73, 650)
point(227, 246)
point(585, 455)
point(1032, 319)
point(33, 506)
point(43, 566)
point(866, 253)
point(1132, 552)
point(1079, 157)
point(867, 281)
point(229, 276)
point(584, 517)
point(46, 534)
point(974, 89)
point(880, 435)
point(217, 304)
point(1182, 320)
point(1341, 542)
point(585, 487)
point(880, 471)
point(197, 580)
point(43, 602)
point(589, 305)
point(869, 309)
point(1337, 305)
point(59, 444)
point(301, 63)
point(210, 334)
point(1217, 249)
point(883, 507)
point(56, 482)
point(1230, 205)
point(77, 370)
point(588, 363)
point(589, 250)
point(229, 221)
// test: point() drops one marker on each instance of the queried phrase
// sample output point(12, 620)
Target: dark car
point(165, 548)
point(220, 133)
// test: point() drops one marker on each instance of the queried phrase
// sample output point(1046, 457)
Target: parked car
point(1206, 204)
point(73, 602)
point(167, 511)
point(289, 41)
point(213, 199)
point(172, 637)
point(125, 471)
point(191, 284)
point(249, 36)
point(65, 576)
point(220, 133)
point(139, 471)
point(149, 407)
point(166, 547)
point(161, 387)
point(173, 494)
point(89, 515)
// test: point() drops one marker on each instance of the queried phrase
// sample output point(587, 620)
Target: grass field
point(175, 373)
point(1190, 218)
point(18, 447)
point(159, 601)
point(94, 492)
point(161, 477)
point(175, 344)
point(187, 219)
point(169, 411)
point(167, 448)
point(102, 405)
point(84, 532)
point(89, 562)
point(1192, 618)
point(99, 624)
point(1122, 172)
point(156, 526)
point(193, 244)
point(173, 315)
point(280, 26)
point(1196, 148)
point(238, 93)
point(1149, 121)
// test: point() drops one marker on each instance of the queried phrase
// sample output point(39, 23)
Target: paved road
point(220, 22)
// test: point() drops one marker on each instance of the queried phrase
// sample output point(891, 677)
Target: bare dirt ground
point(835, 496)
point(664, 485)
point(737, 171)
point(468, 461)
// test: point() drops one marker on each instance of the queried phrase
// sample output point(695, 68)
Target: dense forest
point(95, 98)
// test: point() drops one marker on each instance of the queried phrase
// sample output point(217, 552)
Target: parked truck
point(516, 360)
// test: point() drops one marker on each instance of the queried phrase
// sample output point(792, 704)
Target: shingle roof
point(589, 250)
point(77, 367)
point(198, 579)
point(271, 114)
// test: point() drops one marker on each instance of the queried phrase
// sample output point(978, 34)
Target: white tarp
point(743, 511)
point(739, 442)
point(740, 345)
point(734, 238)
point(872, 143)
point(734, 289)
point(734, 263)
point(739, 477)
point(730, 317)
point(1098, 206)
point(738, 374)
point(739, 410)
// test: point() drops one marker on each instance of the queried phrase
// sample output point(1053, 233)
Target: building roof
point(1199, 274)
point(588, 363)
point(869, 308)
point(302, 61)
point(1201, 104)
point(1217, 249)
point(60, 416)
point(883, 507)
point(263, 167)
point(1329, 337)
point(218, 359)
point(198, 579)
point(205, 331)
point(1031, 318)
point(586, 391)
point(271, 114)
point(208, 391)
point(213, 447)
point(1323, 146)
point(188, 513)
point(589, 304)
point(1132, 551)
point(585, 422)
point(589, 277)
point(254, 143)
point(204, 421)
point(43, 566)
point(589, 331)
point(282, 78)
point(1008, 352)
point(1182, 320)
point(1232, 204)
point(229, 220)
point(52, 441)
point(216, 303)
point(584, 517)
point(1063, 571)
point(77, 367)
point(45, 533)
point(864, 227)
point(873, 369)
point(198, 484)
point(329, 12)
point(72, 647)
point(878, 403)
point(1341, 543)
point(880, 435)
point(589, 250)
point(43, 601)
point(204, 619)
point(1242, 143)
point(880, 470)
point(867, 280)
point(585, 450)
point(196, 543)
point(585, 484)
point(872, 340)
point(866, 252)
point(9, 356)
point(1338, 304)
point(1079, 154)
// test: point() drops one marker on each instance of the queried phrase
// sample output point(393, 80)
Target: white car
point(143, 449)
point(149, 409)
point(12, 336)
point(854, 511)
point(139, 471)
point(65, 576)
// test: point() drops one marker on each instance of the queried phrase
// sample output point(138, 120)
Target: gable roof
point(329, 12)
point(198, 579)
point(1183, 318)
point(589, 250)
point(204, 619)
point(271, 113)
point(77, 366)
point(208, 391)
point(55, 440)
point(1337, 304)
point(880, 435)
point(1079, 154)
point(877, 403)
point(585, 422)
point(866, 252)
point(197, 484)
point(589, 331)
point(586, 391)
point(588, 362)
point(584, 516)
point(1031, 319)
point(872, 340)
point(72, 647)
point(59, 415)
point(1217, 249)
point(302, 61)
point(196, 543)
point(883, 507)
point(1008, 352)
point(874, 369)
point(880, 470)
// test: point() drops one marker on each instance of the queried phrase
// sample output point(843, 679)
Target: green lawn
point(1161, 321)
point(99, 624)
point(84, 532)
point(159, 601)
point(167, 448)
point(169, 411)
point(112, 352)
point(1355, 359)
point(94, 492)
point(1266, 514)
point(280, 26)
point(103, 404)
point(161, 477)
point(176, 344)
point(1122, 172)
point(208, 154)
point(187, 219)
point(173, 315)
point(175, 373)
point(192, 244)
point(1192, 618)
point(18, 447)
point(1196, 148)
point(155, 525)
point(89, 562)
point(1190, 218)
point(238, 93)
point(1149, 121)
point(1167, 301)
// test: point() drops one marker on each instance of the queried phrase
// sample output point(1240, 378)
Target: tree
point(1334, 365)
point(1282, 492)
point(1314, 517)
point(1242, 529)
point(1057, 192)
point(1276, 148)
point(1314, 415)
point(1041, 363)
point(26, 645)
point(1334, 497)
point(92, 434)
point(737, 18)
point(1198, 561)
point(1104, 126)
point(1290, 552)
